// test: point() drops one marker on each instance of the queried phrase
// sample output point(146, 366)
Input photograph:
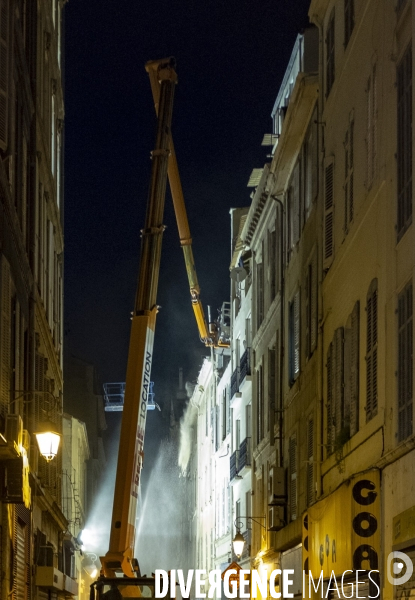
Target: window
point(271, 389)
point(337, 427)
point(372, 351)
point(272, 259)
point(328, 214)
point(310, 461)
point(292, 450)
point(348, 177)
point(371, 133)
point(224, 415)
point(260, 293)
point(348, 20)
point(293, 202)
point(311, 307)
point(260, 404)
point(310, 166)
point(404, 152)
point(330, 54)
point(351, 371)
point(294, 337)
point(405, 363)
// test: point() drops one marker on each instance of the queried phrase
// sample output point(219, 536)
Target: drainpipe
point(281, 369)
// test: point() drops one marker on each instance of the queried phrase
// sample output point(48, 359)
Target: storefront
point(341, 541)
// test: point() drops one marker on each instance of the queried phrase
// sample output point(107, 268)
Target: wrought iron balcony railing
point(244, 454)
point(245, 365)
point(233, 465)
point(234, 382)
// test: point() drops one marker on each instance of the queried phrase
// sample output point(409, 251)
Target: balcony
point(244, 462)
point(234, 383)
point(245, 366)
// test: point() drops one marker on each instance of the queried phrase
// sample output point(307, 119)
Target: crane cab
point(118, 588)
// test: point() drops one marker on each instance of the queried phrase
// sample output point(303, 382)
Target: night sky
point(231, 56)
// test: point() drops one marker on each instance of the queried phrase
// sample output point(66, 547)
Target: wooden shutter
point(296, 203)
point(330, 399)
point(339, 380)
point(271, 392)
point(310, 461)
point(22, 555)
point(405, 363)
point(314, 303)
point(328, 215)
point(293, 476)
point(371, 351)
point(354, 370)
point(4, 71)
point(296, 334)
point(307, 311)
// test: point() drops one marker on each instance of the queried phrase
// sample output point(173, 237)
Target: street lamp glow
point(238, 544)
point(48, 440)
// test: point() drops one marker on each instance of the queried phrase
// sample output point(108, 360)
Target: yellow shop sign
point(342, 531)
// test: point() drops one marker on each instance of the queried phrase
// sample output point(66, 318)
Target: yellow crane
point(121, 576)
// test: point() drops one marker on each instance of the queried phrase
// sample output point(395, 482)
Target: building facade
point(322, 299)
point(31, 251)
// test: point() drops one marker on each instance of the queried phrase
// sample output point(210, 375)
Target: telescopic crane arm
point(120, 556)
point(122, 534)
point(210, 335)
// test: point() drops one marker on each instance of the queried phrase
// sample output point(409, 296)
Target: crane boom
point(130, 455)
point(208, 334)
point(119, 560)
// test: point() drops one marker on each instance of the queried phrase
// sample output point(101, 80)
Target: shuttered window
point(4, 72)
point(21, 558)
point(271, 390)
point(351, 371)
point(260, 293)
point(338, 348)
point(337, 427)
point(224, 414)
point(348, 177)
point(348, 20)
point(330, 400)
point(272, 259)
point(310, 462)
point(310, 166)
point(310, 308)
point(372, 351)
point(405, 363)
point(294, 202)
point(293, 476)
point(328, 214)
point(371, 133)
point(404, 150)
point(294, 337)
point(330, 57)
point(260, 404)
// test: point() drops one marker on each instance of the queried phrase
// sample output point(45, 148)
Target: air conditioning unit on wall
point(277, 486)
point(276, 519)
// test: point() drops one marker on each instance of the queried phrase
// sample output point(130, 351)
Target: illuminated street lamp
point(238, 541)
point(47, 436)
point(48, 439)
point(238, 544)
